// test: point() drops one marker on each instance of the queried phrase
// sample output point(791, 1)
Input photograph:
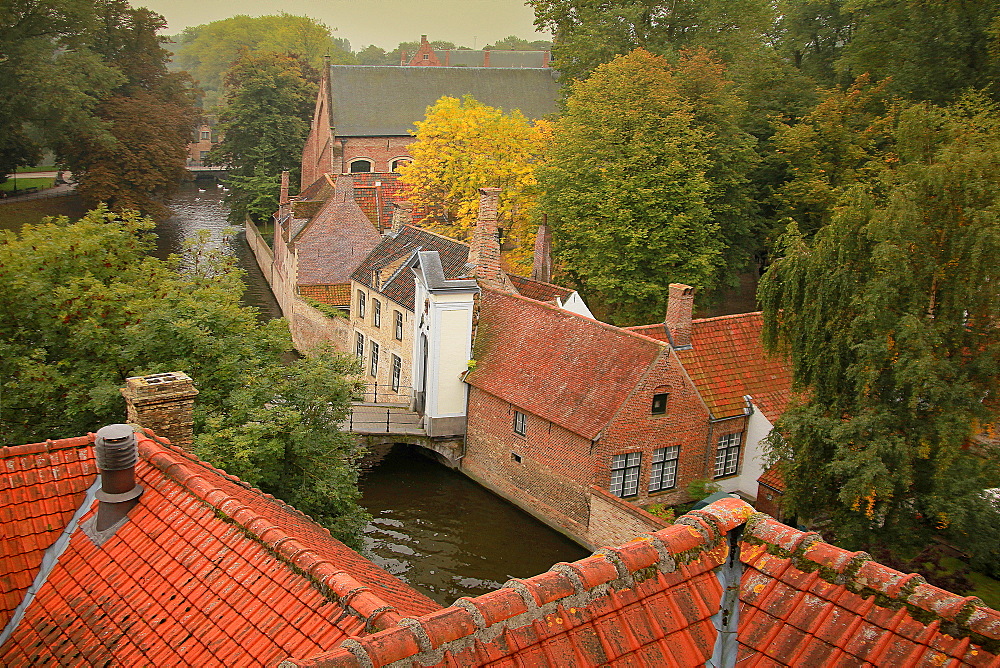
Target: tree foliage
point(625, 189)
point(207, 51)
point(889, 316)
point(463, 145)
point(82, 307)
point(269, 105)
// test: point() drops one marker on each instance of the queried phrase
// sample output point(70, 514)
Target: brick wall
point(635, 429)
point(614, 521)
point(555, 468)
point(311, 329)
point(261, 251)
point(385, 336)
point(380, 150)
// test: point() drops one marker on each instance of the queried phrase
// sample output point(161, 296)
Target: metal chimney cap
point(115, 434)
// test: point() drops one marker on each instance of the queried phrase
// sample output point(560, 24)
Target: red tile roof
point(334, 295)
point(207, 571)
point(772, 478)
point(397, 281)
point(568, 369)
point(41, 486)
point(727, 361)
point(537, 290)
point(334, 242)
point(650, 602)
point(379, 209)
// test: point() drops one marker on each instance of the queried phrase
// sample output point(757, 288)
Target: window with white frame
point(361, 305)
point(663, 472)
point(397, 371)
point(361, 348)
point(399, 325)
point(520, 423)
point(727, 454)
point(376, 312)
point(625, 474)
point(374, 369)
point(206, 134)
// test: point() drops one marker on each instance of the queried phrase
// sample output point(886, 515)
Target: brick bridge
point(386, 424)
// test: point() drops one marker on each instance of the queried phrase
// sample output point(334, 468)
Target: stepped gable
point(801, 602)
point(404, 93)
point(727, 361)
point(537, 290)
point(389, 257)
point(552, 363)
point(206, 571)
point(332, 244)
point(41, 486)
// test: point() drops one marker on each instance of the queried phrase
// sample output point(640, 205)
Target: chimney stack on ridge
point(484, 251)
point(680, 304)
point(163, 402)
point(402, 214)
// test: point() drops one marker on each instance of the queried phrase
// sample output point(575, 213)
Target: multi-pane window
point(625, 474)
point(659, 404)
point(361, 305)
point(206, 134)
point(663, 473)
point(727, 454)
point(374, 358)
point(376, 312)
point(399, 325)
point(520, 423)
point(361, 348)
point(397, 370)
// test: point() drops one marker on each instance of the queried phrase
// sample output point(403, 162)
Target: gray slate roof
point(385, 101)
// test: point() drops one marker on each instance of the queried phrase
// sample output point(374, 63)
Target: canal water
point(431, 527)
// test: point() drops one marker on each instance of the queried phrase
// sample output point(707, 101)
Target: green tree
point(812, 34)
point(625, 190)
point(464, 145)
point(207, 51)
point(889, 317)
point(138, 156)
point(82, 307)
point(269, 105)
point(846, 140)
point(588, 33)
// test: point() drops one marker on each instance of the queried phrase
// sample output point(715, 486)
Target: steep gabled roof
point(537, 290)
point(568, 369)
point(388, 257)
point(374, 101)
point(651, 602)
point(378, 207)
point(206, 571)
point(727, 361)
point(336, 239)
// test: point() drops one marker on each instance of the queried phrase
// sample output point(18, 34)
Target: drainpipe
point(116, 454)
point(727, 619)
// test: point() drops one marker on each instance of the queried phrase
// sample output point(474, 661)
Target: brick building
point(560, 402)
point(428, 56)
point(364, 114)
point(203, 140)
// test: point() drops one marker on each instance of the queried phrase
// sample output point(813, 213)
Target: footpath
point(31, 193)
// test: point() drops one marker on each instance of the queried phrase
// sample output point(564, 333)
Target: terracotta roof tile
point(552, 363)
point(537, 290)
point(802, 603)
point(207, 571)
point(388, 257)
point(334, 295)
point(379, 208)
point(727, 361)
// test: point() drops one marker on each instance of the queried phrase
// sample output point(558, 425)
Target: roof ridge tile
point(46, 446)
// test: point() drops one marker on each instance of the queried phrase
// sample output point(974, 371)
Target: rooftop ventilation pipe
point(116, 454)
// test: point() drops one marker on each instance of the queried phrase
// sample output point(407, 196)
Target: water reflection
point(200, 206)
point(447, 536)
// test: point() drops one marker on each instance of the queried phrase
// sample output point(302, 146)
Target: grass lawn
point(42, 168)
point(14, 213)
point(984, 586)
point(27, 182)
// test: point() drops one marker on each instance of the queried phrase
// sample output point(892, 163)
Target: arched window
point(399, 162)
point(359, 166)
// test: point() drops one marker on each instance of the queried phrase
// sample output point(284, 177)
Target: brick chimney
point(542, 265)
point(402, 214)
point(680, 304)
point(284, 189)
point(162, 402)
point(484, 251)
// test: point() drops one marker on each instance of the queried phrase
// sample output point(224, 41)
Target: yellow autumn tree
point(463, 145)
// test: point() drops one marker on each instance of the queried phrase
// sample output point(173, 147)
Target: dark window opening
point(399, 325)
point(361, 348)
point(361, 305)
point(374, 369)
point(659, 404)
point(361, 166)
point(520, 423)
point(376, 313)
point(516, 458)
point(397, 370)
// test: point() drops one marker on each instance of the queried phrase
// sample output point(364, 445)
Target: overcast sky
point(385, 23)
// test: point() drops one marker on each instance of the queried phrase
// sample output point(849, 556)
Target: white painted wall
point(752, 467)
point(575, 304)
